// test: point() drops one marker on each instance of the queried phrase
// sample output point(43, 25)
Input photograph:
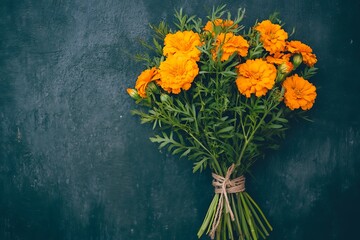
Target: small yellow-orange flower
point(133, 93)
point(298, 47)
point(299, 93)
point(278, 58)
point(144, 79)
point(228, 44)
point(272, 36)
point(219, 22)
point(185, 42)
point(286, 67)
point(177, 72)
point(255, 76)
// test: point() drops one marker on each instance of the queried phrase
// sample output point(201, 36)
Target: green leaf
point(282, 120)
point(226, 129)
point(200, 165)
point(275, 126)
point(229, 74)
point(185, 153)
point(163, 144)
point(176, 151)
point(226, 136)
point(190, 119)
point(155, 139)
point(309, 72)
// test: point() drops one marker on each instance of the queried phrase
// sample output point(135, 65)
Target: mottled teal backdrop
point(74, 164)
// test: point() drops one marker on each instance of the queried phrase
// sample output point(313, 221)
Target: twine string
point(223, 186)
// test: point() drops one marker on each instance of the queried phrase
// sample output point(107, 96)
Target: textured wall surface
point(74, 164)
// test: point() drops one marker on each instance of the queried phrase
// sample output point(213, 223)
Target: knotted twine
point(224, 185)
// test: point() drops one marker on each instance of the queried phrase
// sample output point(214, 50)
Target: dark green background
point(74, 164)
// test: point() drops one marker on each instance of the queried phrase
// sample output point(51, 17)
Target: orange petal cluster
point(272, 36)
point(177, 72)
point(182, 42)
point(255, 76)
point(299, 93)
point(144, 79)
point(309, 58)
point(227, 44)
point(278, 58)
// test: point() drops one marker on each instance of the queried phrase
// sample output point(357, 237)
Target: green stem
point(228, 222)
point(195, 121)
point(261, 233)
point(258, 208)
point(218, 231)
point(249, 218)
point(235, 137)
point(209, 216)
point(256, 215)
point(217, 167)
point(223, 231)
point(236, 215)
point(213, 216)
point(243, 218)
point(248, 140)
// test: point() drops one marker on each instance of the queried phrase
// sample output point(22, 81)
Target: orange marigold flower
point(177, 72)
point(272, 36)
point(182, 42)
point(144, 79)
point(298, 47)
point(229, 44)
point(219, 22)
point(299, 93)
point(255, 76)
point(278, 58)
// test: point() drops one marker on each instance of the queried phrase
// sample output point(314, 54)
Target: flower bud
point(297, 60)
point(152, 88)
point(164, 98)
point(133, 93)
point(278, 95)
point(285, 67)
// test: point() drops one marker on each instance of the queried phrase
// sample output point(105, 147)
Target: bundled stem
point(249, 221)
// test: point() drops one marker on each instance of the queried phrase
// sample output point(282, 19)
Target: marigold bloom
point(278, 58)
point(255, 76)
point(218, 22)
point(144, 79)
point(272, 36)
point(182, 42)
point(299, 93)
point(229, 44)
point(298, 47)
point(177, 72)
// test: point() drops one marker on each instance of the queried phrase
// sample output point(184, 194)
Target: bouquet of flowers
point(220, 95)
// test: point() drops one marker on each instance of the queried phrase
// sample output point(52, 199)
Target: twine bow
point(224, 185)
